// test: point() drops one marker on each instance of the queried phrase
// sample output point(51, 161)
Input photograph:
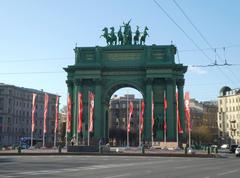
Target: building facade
point(204, 121)
point(229, 115)
point(16, 115)
point(210, 110)
point(118, 120)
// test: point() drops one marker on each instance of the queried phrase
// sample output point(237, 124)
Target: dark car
point(233, 148)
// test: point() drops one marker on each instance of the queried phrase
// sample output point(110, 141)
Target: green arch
point(149, 69)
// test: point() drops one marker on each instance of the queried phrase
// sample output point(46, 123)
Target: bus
point(25, 142)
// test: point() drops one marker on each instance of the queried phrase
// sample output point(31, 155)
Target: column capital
point(69, 83)
point(148, 81)
point(77, 81)
point(97, 81)
point(180, 82)
point(158, 80)
point(170, 80)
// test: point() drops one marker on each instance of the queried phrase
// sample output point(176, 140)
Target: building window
point(1, 103)
point(1, 91)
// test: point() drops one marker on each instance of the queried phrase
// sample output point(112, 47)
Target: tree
point(202, 135)
point(64, 109)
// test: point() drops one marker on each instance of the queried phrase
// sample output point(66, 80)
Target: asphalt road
point(117, 167)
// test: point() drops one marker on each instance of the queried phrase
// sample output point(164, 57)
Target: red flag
point(91, 109)
point(80, 112)
point(180, 130)
point(187, 110)
point(152, 113)
point(46, 98)
point(130, 115)
point(33, 111)
point(165, 109)
point(69, 113)
point(56, 114)
point(141, 117)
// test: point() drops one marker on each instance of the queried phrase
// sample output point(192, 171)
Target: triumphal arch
point(127, 62)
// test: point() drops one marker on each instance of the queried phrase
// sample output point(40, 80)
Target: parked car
point(225, 146)
point(233, 148)
point(237, 151)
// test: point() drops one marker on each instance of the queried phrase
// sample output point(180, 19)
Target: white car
point(237, 151)
point(225, 146)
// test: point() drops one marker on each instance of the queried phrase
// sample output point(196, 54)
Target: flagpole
point(127, 124)
point(189, 138)
point(177, 120)
point(165, 123)
point(152, 115)
point(76, 108)
point(66, 144)
point(56, 117)
point(177, 133)
point(88, 121)
point(43, 137)
point(139, 124)
point(55, 140)
point(31, 140)
point(33, 117)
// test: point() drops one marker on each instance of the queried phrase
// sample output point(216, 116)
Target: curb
point(114, 154)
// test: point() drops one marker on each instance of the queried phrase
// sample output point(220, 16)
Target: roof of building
point(224, 90)
point(27, 89)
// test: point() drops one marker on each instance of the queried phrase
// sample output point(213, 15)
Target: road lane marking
point(228, 172)
point(182, 167)
point(94, 167)
point(120, 175)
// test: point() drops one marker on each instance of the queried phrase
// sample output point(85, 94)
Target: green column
point(148, 112)
point(174, 110)
point(158, 90)
point(180, 84)
point(85, 90)
point(75, 108)
point(105, 119)
point(98, 124)
point(171, 126)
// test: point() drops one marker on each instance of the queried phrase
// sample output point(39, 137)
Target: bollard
point(142, 149)
point(59, 149)
point(19, 150)
point(100, 149)
point(185, 149)
point(208, 149)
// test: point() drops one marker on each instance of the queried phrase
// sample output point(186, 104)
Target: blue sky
point(37, 38)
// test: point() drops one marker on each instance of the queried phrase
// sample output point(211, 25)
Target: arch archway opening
point(123, 124)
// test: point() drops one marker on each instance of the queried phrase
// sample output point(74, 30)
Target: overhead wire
point(208, 49)
point(40, 72)
point(36, 59)
point(195, 44)
point(206, 41)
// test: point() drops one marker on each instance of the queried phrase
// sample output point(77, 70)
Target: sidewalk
point(114, 151)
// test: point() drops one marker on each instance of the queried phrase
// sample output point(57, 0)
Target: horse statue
point(120, 36)
point(136, 36)
point(113, 40)
point(127, 40)
point(143, 37)
point(106, 35)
